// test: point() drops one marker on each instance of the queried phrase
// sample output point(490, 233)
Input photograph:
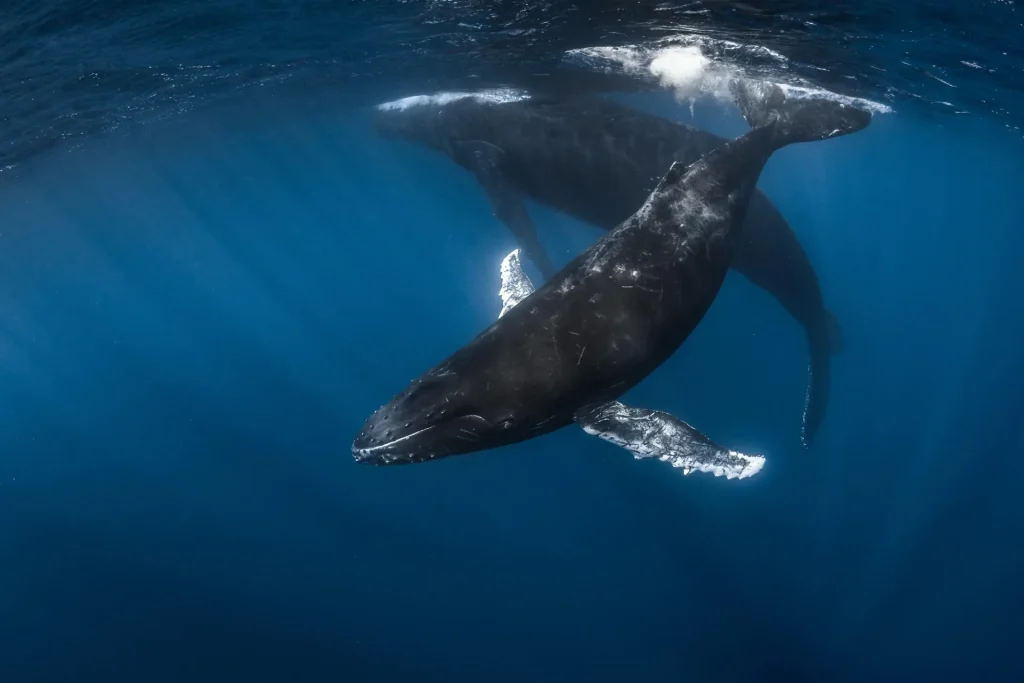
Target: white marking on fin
point(654, 434)
point(515, 284)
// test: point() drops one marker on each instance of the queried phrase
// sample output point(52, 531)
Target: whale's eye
point(506, 424)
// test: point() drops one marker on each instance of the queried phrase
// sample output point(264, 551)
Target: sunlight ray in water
point(594, 247)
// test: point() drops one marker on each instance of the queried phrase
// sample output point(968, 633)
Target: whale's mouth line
point(390, 444)
point(389, 447)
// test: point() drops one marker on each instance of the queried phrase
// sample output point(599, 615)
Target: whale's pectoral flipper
point(654, 434)
point(485, 161)
point(515, 284)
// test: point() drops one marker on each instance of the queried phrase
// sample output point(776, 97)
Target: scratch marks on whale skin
point(540, 425)
point(613, 247)
point(622, 272)
point(689, 217)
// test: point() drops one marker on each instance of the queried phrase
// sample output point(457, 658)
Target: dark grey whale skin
point(611, 316)
point(598, 161)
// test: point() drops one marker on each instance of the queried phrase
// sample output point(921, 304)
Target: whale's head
point(488, 394)
point(414, 119)
point(433, 120)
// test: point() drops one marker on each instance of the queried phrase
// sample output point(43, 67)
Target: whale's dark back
point(587, 157)
point(598, 161)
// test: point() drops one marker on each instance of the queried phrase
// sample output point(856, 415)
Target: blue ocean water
point(200, 311)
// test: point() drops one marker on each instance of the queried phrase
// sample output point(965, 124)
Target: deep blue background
point(197, 319)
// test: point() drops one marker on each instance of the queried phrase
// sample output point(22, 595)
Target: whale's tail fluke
point(796, 119)
point(787, 120)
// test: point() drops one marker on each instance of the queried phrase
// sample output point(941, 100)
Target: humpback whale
point(565, 352)
point(597, 161)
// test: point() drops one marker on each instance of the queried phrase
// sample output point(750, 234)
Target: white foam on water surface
point(684, 69)
point(693, 67)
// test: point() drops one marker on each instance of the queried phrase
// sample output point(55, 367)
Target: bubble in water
point(682, 69)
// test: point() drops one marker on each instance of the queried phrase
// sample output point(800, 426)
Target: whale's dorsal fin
point(654, 434)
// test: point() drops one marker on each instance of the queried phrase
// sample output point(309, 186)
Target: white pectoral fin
point(515, 284)
point(654, 434)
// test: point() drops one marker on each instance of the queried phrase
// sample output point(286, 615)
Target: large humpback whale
point(597, 161)
point(567, 351)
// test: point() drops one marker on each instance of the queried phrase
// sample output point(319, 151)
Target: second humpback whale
point(567, 351)
point(597, 161)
